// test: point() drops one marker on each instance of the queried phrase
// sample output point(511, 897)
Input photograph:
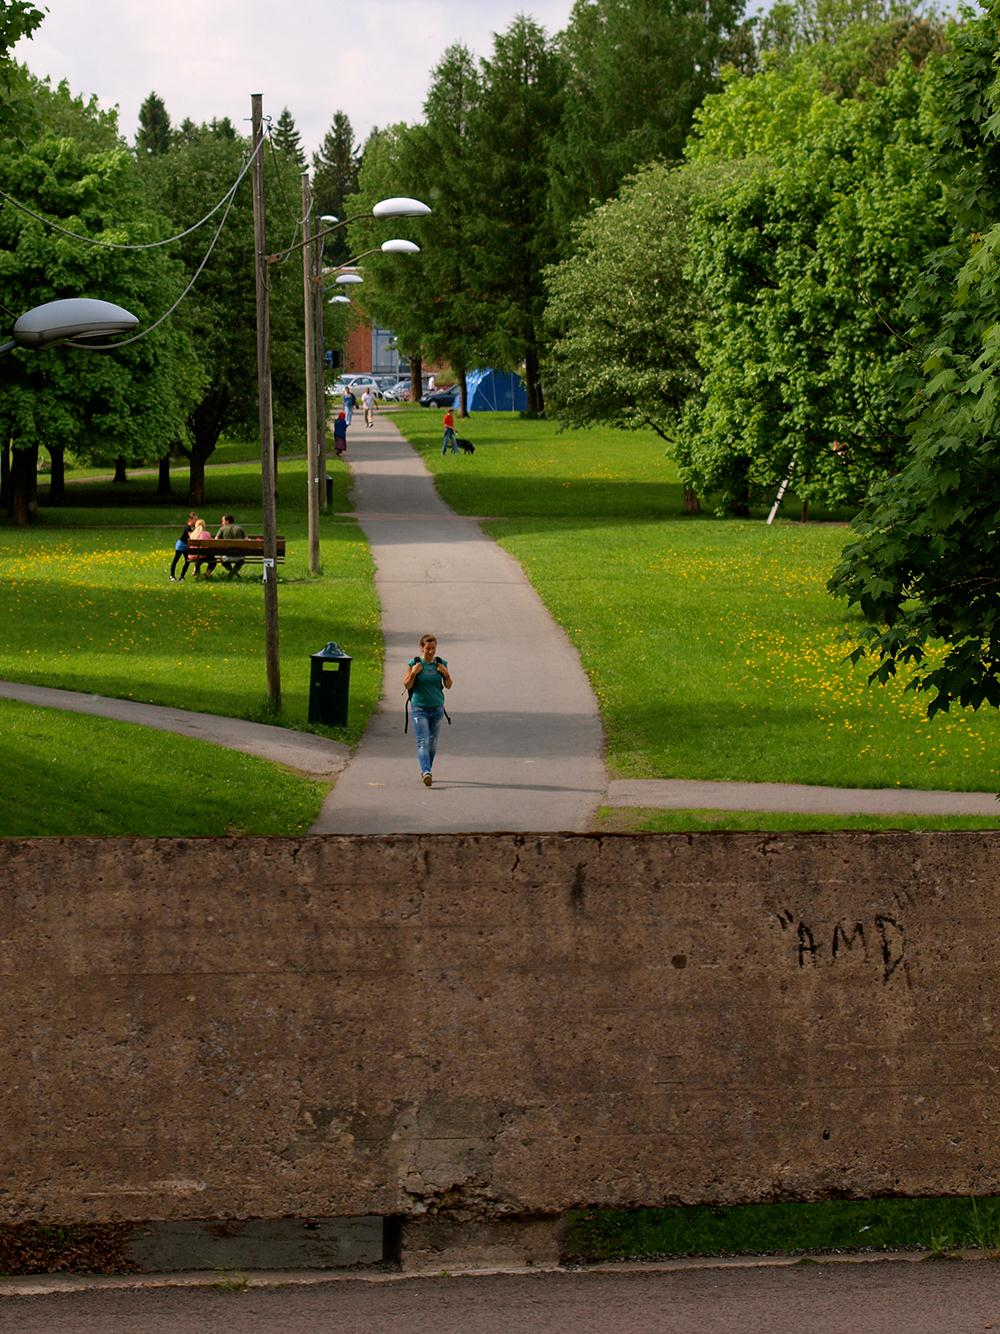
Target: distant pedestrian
point(427, 678)
point(340, 434)
point(350, 403)
point(368, 403)
point(449, 441)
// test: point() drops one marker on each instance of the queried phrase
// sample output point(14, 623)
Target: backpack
point(406, 707)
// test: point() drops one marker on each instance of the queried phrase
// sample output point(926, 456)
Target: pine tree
point(287, 138)
point(636, 71)
point(155, 133)
point(335, 176)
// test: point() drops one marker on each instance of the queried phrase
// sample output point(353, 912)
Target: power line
point(289, 212)
point(148, 245)
point(104, 347)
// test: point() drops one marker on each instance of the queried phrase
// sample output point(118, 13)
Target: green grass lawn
point(86, 603)
point(835, 1225)
point(67, 773)
point(712, 645)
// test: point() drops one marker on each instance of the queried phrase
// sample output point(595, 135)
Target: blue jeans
point(449, 441)
point(426, 725)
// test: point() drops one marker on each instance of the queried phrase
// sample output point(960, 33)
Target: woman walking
point(427, 678)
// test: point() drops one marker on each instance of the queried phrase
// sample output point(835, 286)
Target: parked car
point(441, 398)
point(399, 392)
point(359, 383)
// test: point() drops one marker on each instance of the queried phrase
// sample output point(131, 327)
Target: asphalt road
point(890, 1297)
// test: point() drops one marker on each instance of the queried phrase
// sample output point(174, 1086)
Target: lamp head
point(400, 208)
point(71, 320)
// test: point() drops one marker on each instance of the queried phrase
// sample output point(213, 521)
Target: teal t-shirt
point(428, 689)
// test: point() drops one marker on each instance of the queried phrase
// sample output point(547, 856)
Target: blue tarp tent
point(496, 391)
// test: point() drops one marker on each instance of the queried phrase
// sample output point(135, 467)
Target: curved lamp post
point(311, 246)
point(72, 320)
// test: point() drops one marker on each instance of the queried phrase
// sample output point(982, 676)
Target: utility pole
point(264, 412)
point(309, 297)
point(320, 383)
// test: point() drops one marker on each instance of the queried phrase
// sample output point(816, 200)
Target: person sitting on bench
point(231, 564)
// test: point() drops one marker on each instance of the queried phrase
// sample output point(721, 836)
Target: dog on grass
point(466, 446)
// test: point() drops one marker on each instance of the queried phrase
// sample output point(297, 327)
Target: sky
point(205, 57)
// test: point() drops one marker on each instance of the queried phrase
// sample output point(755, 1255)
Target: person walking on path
point(427, 678)
point(368, 403)
point(449, 441)
point(350, 403)
point(340, 434)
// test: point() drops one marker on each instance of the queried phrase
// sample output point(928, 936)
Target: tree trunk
point(536, 402)
point(196, 479)
point(739, 502)
point(120, 475)
point(206, 437)
point(805, 511)
point(163, 487)
point(23, 485)
point(463, 392)
point(692, 505)
point(57, 474)
point(416, 379)
point(5, 476)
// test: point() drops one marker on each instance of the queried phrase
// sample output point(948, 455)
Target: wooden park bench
point(249, 550)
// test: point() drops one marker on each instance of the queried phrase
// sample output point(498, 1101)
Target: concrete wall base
point(435, 1245)
point(256, 1243)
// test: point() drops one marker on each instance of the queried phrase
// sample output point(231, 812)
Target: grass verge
point(712, 645)
point(70, 774)
point(938, 1225)
point(638, 820)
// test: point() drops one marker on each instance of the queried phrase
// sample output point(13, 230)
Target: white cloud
point(206, 57)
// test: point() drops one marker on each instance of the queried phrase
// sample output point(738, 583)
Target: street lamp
point(71, 320)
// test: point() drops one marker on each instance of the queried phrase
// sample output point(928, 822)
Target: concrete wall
point(494, 1025)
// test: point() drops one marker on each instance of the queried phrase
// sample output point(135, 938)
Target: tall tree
point(127, 403)
point(335, 176)
point(18, 18)
point(426, 299)
point(636, 70)
point(155, 131)
point(622, 310)
point(287, 139)
point(396, 291)
point(510, 238)
point(220, 312)
point(922, 564)
point(802, 263)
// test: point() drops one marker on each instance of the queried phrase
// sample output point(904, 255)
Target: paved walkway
point(684, 794)
point(524, 751)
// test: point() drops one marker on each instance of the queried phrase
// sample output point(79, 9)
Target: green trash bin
point(329, 686)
